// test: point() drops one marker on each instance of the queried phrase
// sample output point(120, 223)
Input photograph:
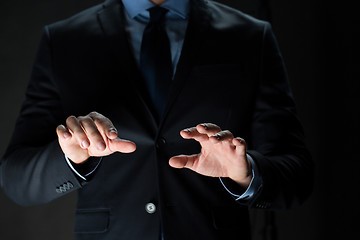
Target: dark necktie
point(155, 59)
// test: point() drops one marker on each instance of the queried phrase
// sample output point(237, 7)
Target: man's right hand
point(92, 135)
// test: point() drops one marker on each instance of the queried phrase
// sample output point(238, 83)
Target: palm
point(210, 162)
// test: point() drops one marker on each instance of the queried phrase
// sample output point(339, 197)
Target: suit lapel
point(111, 19)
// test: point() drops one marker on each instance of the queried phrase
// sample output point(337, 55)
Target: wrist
point(244, 182)
point(77, 159)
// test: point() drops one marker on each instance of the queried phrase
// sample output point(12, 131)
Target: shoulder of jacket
point(77, 21)
point(232, 17)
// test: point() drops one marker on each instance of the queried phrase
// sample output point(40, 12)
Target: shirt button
point(150, 208)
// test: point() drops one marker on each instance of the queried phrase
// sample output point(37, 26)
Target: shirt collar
point(137, 7)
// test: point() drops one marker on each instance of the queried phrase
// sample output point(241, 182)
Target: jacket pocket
point(92, 220)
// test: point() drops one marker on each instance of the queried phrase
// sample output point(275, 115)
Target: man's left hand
point(222, 155)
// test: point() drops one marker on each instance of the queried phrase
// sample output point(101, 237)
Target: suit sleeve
point(33, 169)
point(277, 142)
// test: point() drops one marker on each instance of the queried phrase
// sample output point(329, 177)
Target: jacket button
point(150, 208)
point(161, 142)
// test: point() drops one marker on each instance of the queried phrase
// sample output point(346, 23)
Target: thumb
point(121, 145)
point(183, 161)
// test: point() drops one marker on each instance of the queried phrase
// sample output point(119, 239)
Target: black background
point(320, 47)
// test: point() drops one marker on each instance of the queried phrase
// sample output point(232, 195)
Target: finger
point(121, 145)
point(183, 161)
point(104, 125)
point(63, 132)
point(240, 145)
point(222, 136)
point(92, 132)
point(239, 141)
point(208, 128)
point(192, 133)
point(77, 131)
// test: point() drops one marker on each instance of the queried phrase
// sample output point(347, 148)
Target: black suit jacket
point(230, 73)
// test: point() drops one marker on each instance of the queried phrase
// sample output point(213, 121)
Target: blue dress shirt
point(176, 20)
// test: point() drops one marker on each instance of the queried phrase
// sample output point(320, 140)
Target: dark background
point(320, 47)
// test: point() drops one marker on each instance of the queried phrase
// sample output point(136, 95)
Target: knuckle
point(227, 133)
point(85, 119)
point(192, 129)
point(217, 136)
point(101, 125)
point(222, 133)
point(213, 126)
point(95, 115)
point(71, 119)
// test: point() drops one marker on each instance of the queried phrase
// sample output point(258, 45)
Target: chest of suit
point(215, 82)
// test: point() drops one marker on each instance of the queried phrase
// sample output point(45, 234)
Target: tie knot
point(157, 14)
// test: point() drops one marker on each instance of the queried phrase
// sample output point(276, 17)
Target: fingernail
point(112, 131)
point(204, 125)
point(66, 135)
point(101, 146)
point(85, 144)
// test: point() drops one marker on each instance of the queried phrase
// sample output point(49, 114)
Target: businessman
point(177, 117)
